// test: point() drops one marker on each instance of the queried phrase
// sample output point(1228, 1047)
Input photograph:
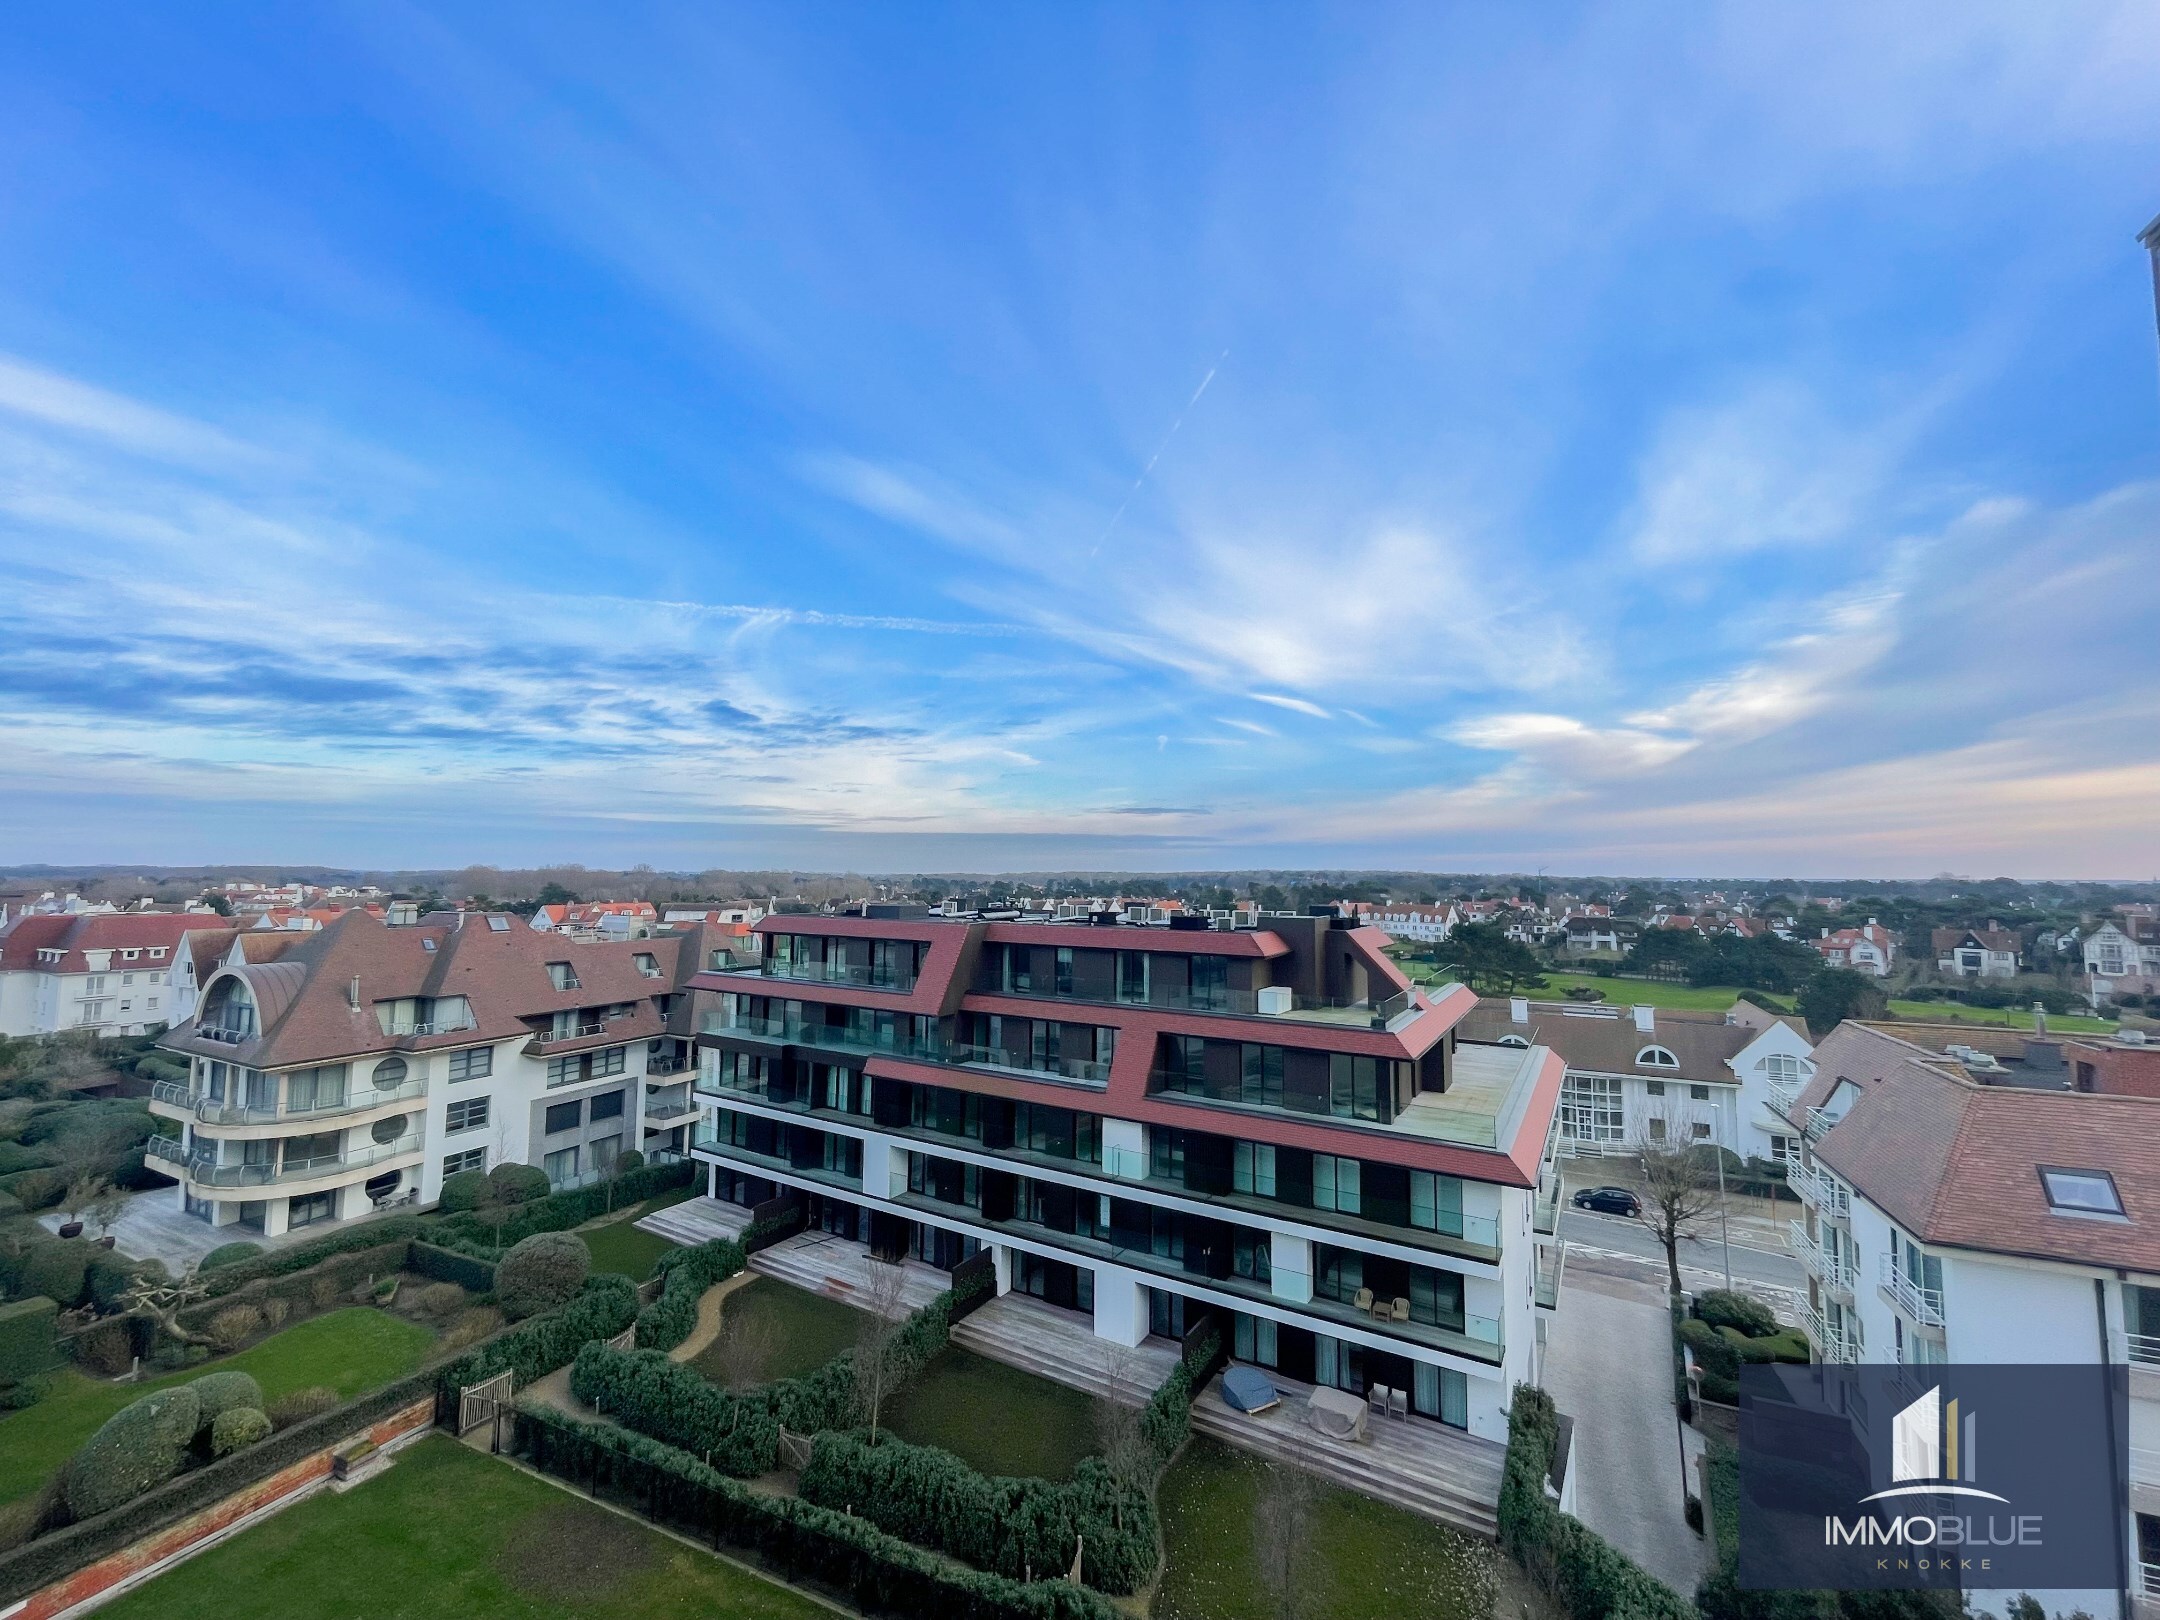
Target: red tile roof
point(22, 939)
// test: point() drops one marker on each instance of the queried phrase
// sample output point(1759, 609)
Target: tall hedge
point(141, 1445)
point(735, 1433)
point(1168, 1419)
point(1011, 1527)
point(878, 1573)
point(1592, 1579)
point(26, 1338)
point(447, 1265)
point(477, 1234)
point(685, 1274)
point(282, 1262)
point(541, 1344)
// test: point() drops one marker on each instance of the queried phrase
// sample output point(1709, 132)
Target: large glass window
point(1590, 1109)
point(476, 1064)
point(1262, 1068)
point(1254, 1168)
point(561, 1166)
point(563, 1117)
point(1337, 1184)
point(466, 1114)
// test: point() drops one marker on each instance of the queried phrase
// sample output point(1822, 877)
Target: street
point(1616, 1246)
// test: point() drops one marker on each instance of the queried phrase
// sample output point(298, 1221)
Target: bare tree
point(1680, 1190)
point(885, 1308)
point(1118, 1427)
point(1282, 1521)
point(745, 1348)
point(164, 1298)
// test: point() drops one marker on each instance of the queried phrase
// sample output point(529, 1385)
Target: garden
point(515, 1547)
point(770, 1330)
point(998, 1419)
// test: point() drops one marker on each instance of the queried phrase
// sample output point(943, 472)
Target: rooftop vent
point(1185, 923)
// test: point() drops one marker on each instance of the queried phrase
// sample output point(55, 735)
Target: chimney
point(352, 993)
point(1826, 933)
point(1646, 1019)
point(2039, 1019)
point(1518, 1008)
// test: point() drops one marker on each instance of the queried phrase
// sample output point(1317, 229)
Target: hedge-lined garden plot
point(771, 1330)
point(351, 1350)
point(1357, 1557)
point(450, 1532)
point(996, 1418)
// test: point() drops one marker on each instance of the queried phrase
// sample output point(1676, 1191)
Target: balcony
point(207, 1110)
point(1923, 1305)
point(663, 1112)
point(2144, 1349)
point(666, 1065)
point(1087, 1071)
point(1278, 1002)
point(1545, 1212)
point(837, 1037)
point(1785, 1093)
point(1823, 1262)
point(416, 1028)
point(863, 976)
point(1829, 1195)
point(1551, 1265)
point(1830, 1345)
point(168, 1148)
point(206, 1172)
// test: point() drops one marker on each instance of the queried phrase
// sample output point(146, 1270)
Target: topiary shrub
point(1742, 1312)
point(628, 1160)
point(221, 1392)
point(437, 1301)
point(240, 1426)
point(467, 1190)
point(109, 1276)
point(1714, 1353)
point(26, 1339)
point(140, 1446)
point(517, 1183)
point(228, 1254)
point(58, 1270)
point(542, 1272)
point(296, 1406)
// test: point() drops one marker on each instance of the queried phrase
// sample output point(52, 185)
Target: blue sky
point(1703, 442)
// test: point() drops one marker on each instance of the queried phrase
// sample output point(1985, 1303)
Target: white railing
point(1820, 1188)
point(1829, 1343)
point(2149, 1580)
point(1784, 1093)
point(2145, 1349)
point(1922, 1304)
point(1822, 1260)
point(214, 1111)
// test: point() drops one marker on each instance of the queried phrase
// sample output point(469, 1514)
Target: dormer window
point(647, 964)
point(564, 976)
point(1656, 1057)
point(157, 952)
point(2081, 1192)
point(130, 955)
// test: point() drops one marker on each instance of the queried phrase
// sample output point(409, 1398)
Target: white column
point(274, 1212)
point(1001, 1258)
point(1290, 1265)
point(1121, 1313)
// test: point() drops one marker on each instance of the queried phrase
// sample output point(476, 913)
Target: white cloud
point(63, 402)
point(1293, 704)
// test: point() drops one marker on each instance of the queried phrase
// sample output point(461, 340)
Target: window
point(1782, 1068)
point(563, 1117)
point(466, 1114)
point(563, 976)
point(1781, 1150)
point(1657, 1129)
point(610, 1060)
point(386, 1131)
point(1354, 1086)
point(127, 978)
point(1700, 1130)
point(605, 1150)
point(156, 952)
point(152, 1004)
point(648, 965)
point(314, 1207)
point(1436, 1202)
point(561, 1071)
point(1699, 1093)
point(1262, 1076)
point(476, 1064)
point(1255, 1168)
point(498, 925)
point(1336, 1184)
point(313, 1089)
point(1656, 1088)
point(472, 1159)
point(389, 1074)
point(608, 1106)
point(561, 1166)
point(1184, 1060)
point(2081, 1192)
point(1590, 1108)
point(1656, 1057)
point(157, 978)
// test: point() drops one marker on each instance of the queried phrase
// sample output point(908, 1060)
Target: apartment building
point(1948, 1218)
point(106, 973)
point(367, 1061)
point(1637, 1074)
point(1409, 920)
point(1146, 1122)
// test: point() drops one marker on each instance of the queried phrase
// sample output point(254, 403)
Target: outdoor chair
point(1398, 1405)
point(1376, 1399)
point(1401, 1310)
point(1363, 1299)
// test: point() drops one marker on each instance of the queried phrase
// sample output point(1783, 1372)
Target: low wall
point(163, 1548)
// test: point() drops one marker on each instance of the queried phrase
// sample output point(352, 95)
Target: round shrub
point(241, 1426)
point(228, 1254)
point(628, 1160)
point(140, 1446)
point(58, 1270)
point(297, 1406)
point(467, 1190)
point(517, 1183)
point(1742, 1312)
point(540, 1273)
point(222, 1392)
point(438, 1300)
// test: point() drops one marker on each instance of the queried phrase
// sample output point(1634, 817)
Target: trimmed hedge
point(141, 1445)
point(476, 1234)
point(221, 1392)
point(447, 1265)
point(369, 1234)
point(685, 1275)
point(1168, 1419)
point(237, 1429)
point(796, 1540)
point(26, 1338)
point(59, 1270)
point(344, 1272)
point(541, 1273)
point(1010, 1527)
point(1744, 1313)
point(1592, 1579)
point(228, 1254)
point(536, 1347)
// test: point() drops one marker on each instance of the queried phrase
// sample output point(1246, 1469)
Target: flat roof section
point(1484, 1106)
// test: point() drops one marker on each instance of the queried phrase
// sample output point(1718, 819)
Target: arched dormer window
point(1656, 1057)
point(229, 1011)
point(1511, 1040)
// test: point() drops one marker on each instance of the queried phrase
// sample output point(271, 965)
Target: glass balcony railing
point(839, 1037)
point(1090, 1071)
point(863, 976)
point(208, 1110)
point(207, 1172)
point(1275, 1002)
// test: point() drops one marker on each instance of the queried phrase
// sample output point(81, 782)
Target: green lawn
point(1359, 1558)
point(447, 1531)
point(1953, 1012)
point(620, 1246)
point(1000, 1419)
point(351, 1350)
point(771, 1329)
point(1643, 992)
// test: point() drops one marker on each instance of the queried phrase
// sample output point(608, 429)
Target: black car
point(1609, 1200)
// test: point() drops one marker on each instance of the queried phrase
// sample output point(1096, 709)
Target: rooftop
point(1484, 1106)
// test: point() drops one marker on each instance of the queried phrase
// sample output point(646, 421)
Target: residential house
point(1869, 949)
point(368, 1061)
point(1144, 1123)
point(2123, 957)
point(1650, 1074)
point(1950, 1221)
point(1598, 934)
point(1976, 953)
point(99, 971)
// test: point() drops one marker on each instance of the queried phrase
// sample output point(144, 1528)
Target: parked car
point(1609, 1201)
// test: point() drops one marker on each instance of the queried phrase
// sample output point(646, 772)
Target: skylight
point(499, 925)
point(2081, 1192)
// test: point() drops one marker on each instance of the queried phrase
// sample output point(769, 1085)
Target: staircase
point(1061, 1346)
point(695, 1221)
point(841, 1269)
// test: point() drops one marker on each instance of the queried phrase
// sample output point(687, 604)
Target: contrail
point(1159, 449)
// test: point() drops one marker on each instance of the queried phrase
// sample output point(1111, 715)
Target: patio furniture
point(1376, 1398)
point(1247, 1389)
point(1336, 1413)
point(1363, 1299)
point(1398, 1405)
point(1401, 1310)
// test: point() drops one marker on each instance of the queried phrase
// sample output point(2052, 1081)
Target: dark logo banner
point(2003, 1476)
